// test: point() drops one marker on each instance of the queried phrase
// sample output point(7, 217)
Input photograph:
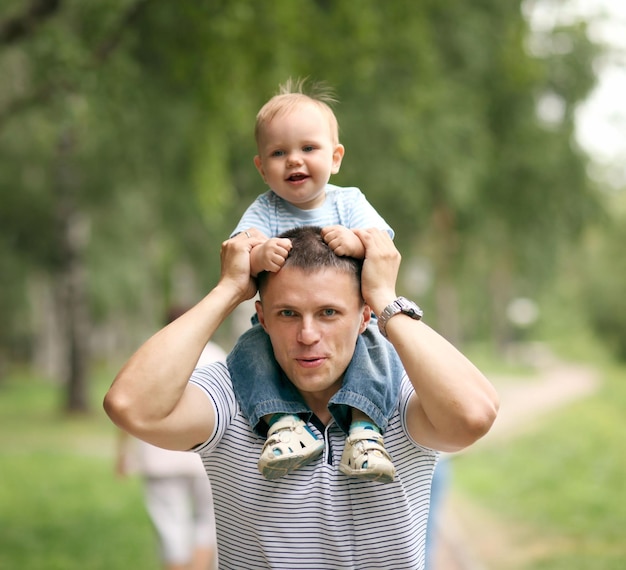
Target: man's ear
point(259, 166)
point(259, 312)
point(367, 317)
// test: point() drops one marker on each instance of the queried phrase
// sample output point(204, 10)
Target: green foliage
point(604, 282)
point(138, 117)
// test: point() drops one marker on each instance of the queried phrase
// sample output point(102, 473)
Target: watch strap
point(401, 305)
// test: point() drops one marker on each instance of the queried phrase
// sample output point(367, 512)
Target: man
point(313, 309)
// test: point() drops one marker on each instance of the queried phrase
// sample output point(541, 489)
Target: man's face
point(313, 320)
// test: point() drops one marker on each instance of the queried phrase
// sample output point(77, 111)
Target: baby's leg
point(290, 445)
point(365, 403)
point(364, 454)
point(272, 405)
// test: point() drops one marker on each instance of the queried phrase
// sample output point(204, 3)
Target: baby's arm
point(343, 241)
point(269, 255)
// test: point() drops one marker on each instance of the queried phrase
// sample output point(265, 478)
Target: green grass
point(563, 482)
point(61, 505)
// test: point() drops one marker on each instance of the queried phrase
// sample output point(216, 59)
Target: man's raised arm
point(150, 398)
point(454, 404)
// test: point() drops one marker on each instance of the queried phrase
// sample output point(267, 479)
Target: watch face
point(410, 308)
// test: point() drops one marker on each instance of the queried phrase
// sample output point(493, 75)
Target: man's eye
point(329, 312)
point(286, 313)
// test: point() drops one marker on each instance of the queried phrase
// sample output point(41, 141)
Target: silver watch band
point(400, 305)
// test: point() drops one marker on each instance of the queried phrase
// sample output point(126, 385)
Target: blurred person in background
point(177, 491)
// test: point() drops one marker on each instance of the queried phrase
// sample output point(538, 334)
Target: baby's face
point(298, 153)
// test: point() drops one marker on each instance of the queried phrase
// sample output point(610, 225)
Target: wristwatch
point(400, 305)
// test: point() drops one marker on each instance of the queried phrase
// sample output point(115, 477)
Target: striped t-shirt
point(343, 206)
point(315, 518)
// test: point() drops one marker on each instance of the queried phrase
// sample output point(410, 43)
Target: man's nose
point(309, 332)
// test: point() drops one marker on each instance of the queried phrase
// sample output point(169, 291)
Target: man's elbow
point(118, 408)
point(478, 421)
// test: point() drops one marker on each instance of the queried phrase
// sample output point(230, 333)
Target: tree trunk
point(500, 293)
point(445, 245)
point(72, 283)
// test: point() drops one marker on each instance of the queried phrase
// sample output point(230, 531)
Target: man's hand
point(380, 268)
point(236, 264)
point(269, 255)
point(151, 397)
point(343, 241)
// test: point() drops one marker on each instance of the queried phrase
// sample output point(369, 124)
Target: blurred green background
point(126, 145)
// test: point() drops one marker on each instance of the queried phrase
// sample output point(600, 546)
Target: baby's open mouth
point(297, 177)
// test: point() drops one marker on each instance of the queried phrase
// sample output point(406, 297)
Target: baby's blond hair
point(290, 95)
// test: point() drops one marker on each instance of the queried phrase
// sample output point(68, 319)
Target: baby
point(298, 151)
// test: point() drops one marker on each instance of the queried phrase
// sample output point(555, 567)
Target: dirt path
point(468, 536)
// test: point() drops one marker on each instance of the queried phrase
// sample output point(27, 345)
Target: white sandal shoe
point(365, 456)
point(290, 445)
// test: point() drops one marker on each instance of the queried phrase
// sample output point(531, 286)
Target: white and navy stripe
point(315, 518)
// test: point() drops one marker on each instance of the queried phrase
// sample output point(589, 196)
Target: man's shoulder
point(214, 379)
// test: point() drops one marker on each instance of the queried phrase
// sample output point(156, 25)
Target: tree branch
point(39, 95)
point(108, 45)
point(21, 25)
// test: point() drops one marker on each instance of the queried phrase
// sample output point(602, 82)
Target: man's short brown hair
point(310, 252)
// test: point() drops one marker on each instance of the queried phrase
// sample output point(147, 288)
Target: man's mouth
point(310, 362)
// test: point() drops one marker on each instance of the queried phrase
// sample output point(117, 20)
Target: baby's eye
point(308, 148)
point(277, 153)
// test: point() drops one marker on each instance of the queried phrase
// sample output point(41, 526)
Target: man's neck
point(319, 406)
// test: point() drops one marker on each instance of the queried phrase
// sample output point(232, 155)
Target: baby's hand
point(343, 241)
point(269, 255)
